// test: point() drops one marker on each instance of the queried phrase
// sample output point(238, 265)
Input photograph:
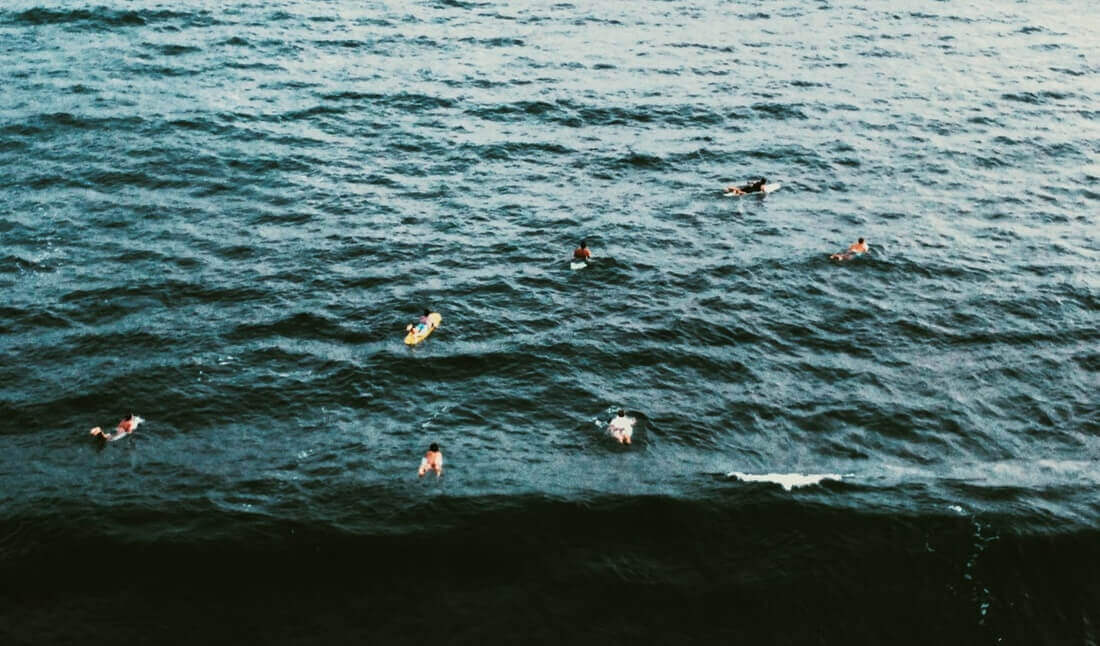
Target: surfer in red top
point(582, 252)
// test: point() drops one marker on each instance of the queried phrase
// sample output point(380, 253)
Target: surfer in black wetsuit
point(752, 187)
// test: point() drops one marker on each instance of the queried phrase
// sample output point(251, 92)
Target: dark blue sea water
point(221, 216)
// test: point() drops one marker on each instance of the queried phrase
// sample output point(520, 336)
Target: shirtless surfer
point(621, 427)
point(752, 187)
point(433, 461)
point(582, 253)
point(856, 248)
point(128, 425)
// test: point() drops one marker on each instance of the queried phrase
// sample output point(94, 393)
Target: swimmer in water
point(433, 461)
point(582, 252)
point(621, 427)
point(752, 187)
point(856, 248)
point(128, 425)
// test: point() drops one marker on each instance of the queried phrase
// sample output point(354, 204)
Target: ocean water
point(221, 216)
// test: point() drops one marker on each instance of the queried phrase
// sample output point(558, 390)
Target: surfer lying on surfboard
point(422, 325)
point(425, 326)
point(854, 249)
point(128, 425)
point(751, 187)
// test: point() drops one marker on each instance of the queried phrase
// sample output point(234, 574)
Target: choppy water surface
point(222, 215)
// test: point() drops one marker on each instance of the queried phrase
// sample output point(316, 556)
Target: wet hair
point(427, 312)
point(763, 180)
point(129, 416)
point(584, 244)
point(621, 412)
point(861, 240)
point(433, 447)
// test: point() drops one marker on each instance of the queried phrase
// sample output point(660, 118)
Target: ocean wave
point(788, 481)
point(107, 18)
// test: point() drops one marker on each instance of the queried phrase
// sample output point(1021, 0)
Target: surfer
point(125, 427)
point(856, 248)
point(751, 187)
point(422, 325)
point(433, 461)
point(621, 427)
point(582, 253)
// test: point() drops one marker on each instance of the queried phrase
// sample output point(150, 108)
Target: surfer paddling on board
point(621, 427)
point(128, 425)
point(752, 187)
point(582, 253)
point(433, 461)
point(856, 248)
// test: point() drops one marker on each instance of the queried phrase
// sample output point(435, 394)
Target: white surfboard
point(577, 264)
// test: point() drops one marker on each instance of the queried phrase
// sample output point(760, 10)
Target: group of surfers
point(582, 253)
point(619, 427)
point(856, 248)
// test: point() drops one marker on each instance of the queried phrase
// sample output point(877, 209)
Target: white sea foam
point(786, 480)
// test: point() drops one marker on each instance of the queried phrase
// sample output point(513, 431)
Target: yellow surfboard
point(416, 336)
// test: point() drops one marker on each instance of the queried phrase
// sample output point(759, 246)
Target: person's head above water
point(427, 312)
point(584, 244)
point(622, 413)
point(129, 417)
point(861, 241)
point(434, 448)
